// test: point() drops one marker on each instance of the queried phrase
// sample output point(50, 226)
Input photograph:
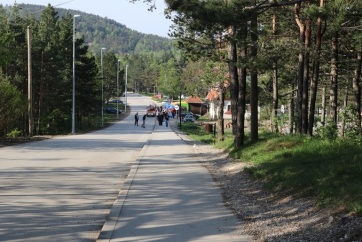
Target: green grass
point(301, 166)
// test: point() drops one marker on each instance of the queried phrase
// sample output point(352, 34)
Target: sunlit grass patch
point(299, 165)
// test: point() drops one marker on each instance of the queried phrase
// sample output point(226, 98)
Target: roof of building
point(194, 99)
point(212, 95)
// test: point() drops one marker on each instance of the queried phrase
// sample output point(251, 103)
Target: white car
point(188, 118)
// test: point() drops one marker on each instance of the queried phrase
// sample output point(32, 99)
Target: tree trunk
point(291, 112)
point(275, 98)
point(274, 115)
point(306, 76)
point(333, 92)
point(345, 102)
point(315, 78)
point(291, 109)
point(232, 60)
point(220, 120)
point(357, 88)
point(240, 131)
point(254, 82)
point(300, 68)
point(323, 119)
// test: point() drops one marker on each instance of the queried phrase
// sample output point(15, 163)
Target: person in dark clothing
point(160, 118)
point(144, 121)
point(136, 119)
point(166, 118)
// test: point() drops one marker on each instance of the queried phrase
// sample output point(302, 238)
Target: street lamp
point(73, 104)
point(125, 92)
point(117, 85)
point(103, 48)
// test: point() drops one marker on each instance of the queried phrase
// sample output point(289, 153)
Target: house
point(213, 109)
point(196, 105)
point(212, 98)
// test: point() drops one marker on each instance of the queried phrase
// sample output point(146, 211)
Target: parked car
point(112, 110)
point(196, 116)
point(115, 101)
point(188, 118)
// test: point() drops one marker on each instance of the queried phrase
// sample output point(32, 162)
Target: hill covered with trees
point(99, 32)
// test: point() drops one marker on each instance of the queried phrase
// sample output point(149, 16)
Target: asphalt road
point(62, 189)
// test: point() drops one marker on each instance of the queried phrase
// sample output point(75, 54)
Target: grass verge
point(330, 172)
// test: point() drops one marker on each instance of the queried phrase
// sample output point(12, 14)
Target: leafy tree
point(12, 106)
point(170, 81)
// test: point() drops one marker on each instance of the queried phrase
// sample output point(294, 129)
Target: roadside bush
point(352, 130)
point(14, 133)
point(11, 106)
point(328, 131)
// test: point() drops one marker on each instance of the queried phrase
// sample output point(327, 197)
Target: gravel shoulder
point(273, 217)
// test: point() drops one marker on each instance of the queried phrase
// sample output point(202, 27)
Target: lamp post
point(102, 80)
point(117, 85)
point(73, 103)
point(125, 92)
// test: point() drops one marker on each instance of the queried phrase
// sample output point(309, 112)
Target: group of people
point(161, 116)
point(136, 118)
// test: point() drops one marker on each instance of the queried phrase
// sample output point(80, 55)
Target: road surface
point(62, 189)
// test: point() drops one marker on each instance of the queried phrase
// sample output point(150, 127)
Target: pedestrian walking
point(166, 118)
point(144, 121)
point(136, 119)
point(160, 118)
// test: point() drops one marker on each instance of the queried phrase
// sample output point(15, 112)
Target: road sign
point(176, 107)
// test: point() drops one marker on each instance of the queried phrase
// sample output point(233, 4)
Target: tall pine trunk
point(300, 69)
point(315, 78)
point(333, 92)
point(240, 132)
point(291, 109)
point(254, 81)
point(275, 98)
point(345, 103)
point(274, 115)
point(306, 76)
point(232, 60)
point(357, 88)
point(324, 106)
point(220, 120)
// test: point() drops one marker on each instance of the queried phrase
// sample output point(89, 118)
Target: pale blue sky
point(134, 16)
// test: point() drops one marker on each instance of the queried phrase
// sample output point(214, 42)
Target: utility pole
point(30, 92)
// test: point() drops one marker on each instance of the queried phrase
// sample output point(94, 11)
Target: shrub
point(328, 131)
point(14, 133)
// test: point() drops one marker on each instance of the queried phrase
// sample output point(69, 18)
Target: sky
point(134, 16)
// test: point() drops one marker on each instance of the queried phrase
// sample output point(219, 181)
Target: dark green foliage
point(99, 32)
point(51, 31)
point(12, 106)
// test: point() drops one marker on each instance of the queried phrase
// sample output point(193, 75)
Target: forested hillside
point(99, 32)
point(72, 76)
